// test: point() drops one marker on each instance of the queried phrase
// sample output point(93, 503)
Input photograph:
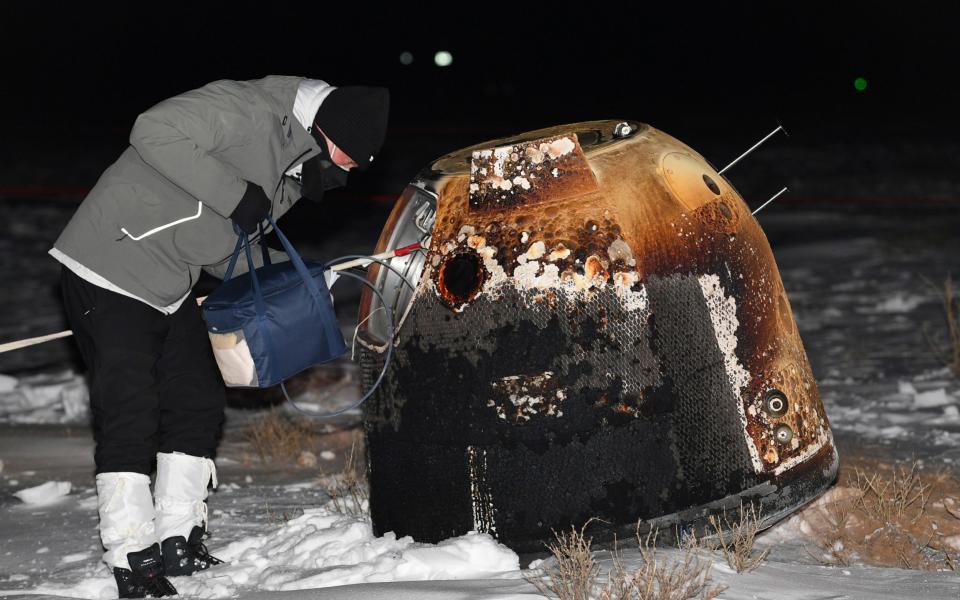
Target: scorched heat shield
point(598, 329)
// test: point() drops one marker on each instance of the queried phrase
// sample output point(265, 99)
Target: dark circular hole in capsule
point(711, 184)
point(783, 434)
point(461, 277)
point(775, 403)
point(725, 211)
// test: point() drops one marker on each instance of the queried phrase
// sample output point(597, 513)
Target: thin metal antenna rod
point(775, 196)
point(754, 147)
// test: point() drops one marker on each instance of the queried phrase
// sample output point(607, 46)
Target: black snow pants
point(154, 384)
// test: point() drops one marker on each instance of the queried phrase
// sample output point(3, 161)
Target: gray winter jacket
point(160, 213)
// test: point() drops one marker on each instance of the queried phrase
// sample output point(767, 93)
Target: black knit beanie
point(355, 119)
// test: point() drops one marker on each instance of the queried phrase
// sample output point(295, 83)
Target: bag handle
point(263, 245)
point(258, 302)
point(297, 262)
point(236, 251)
point(243, 241)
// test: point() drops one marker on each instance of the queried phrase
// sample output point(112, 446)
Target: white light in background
point(406, 58)
point(443, 58)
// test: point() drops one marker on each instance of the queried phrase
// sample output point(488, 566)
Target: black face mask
point(320, 174)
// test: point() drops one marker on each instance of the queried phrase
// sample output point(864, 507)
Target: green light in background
point(859, 84)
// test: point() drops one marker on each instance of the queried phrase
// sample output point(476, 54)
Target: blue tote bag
point(273, 322)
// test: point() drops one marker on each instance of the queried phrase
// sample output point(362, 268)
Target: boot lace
point(199, 551)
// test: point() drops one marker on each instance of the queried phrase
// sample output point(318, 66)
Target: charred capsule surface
point(598, 329)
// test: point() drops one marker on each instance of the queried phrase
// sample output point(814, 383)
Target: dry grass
point(575, 573)
point(277, 437)
point(835, 543)
point(736, 539)
point(281, 438)
point(620, 585)
point(278, 518)
point(887, 515)
point(348, 490)
point(686, 577)
point(892, 498)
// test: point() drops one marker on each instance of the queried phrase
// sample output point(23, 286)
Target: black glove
point(319, 175)
point(252, 209)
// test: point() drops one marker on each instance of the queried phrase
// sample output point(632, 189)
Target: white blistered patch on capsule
point(522, 397)
point(723, 316)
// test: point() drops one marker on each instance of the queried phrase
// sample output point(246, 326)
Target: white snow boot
point(128, 533)
point(181, 491)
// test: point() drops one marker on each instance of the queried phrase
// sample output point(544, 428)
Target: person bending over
point(200, 164)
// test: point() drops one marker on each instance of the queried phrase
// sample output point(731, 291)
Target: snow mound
point(323, 548)
point(815, 517)
point(933, 399)
point(899, 302)
point(95, 588)
point(46, 493)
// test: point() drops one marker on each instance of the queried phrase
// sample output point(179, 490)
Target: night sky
point(513, 65)
point(715, 76)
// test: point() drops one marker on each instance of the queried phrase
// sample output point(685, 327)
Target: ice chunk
point(933, 399)
point(893, 431)
point(46, 493)
point(905, 387)
point(899, 303)
point(44, 398)
point(7, 383)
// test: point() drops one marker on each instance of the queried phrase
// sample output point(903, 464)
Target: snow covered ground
point(277, 529)
point(283, 538)
point(863, 288)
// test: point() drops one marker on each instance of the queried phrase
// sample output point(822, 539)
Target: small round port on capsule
point(775, 403)
point(783, 434)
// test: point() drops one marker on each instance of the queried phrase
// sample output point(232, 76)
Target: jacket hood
point(310, 95)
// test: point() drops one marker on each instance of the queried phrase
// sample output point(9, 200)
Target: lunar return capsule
point(597, 329)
